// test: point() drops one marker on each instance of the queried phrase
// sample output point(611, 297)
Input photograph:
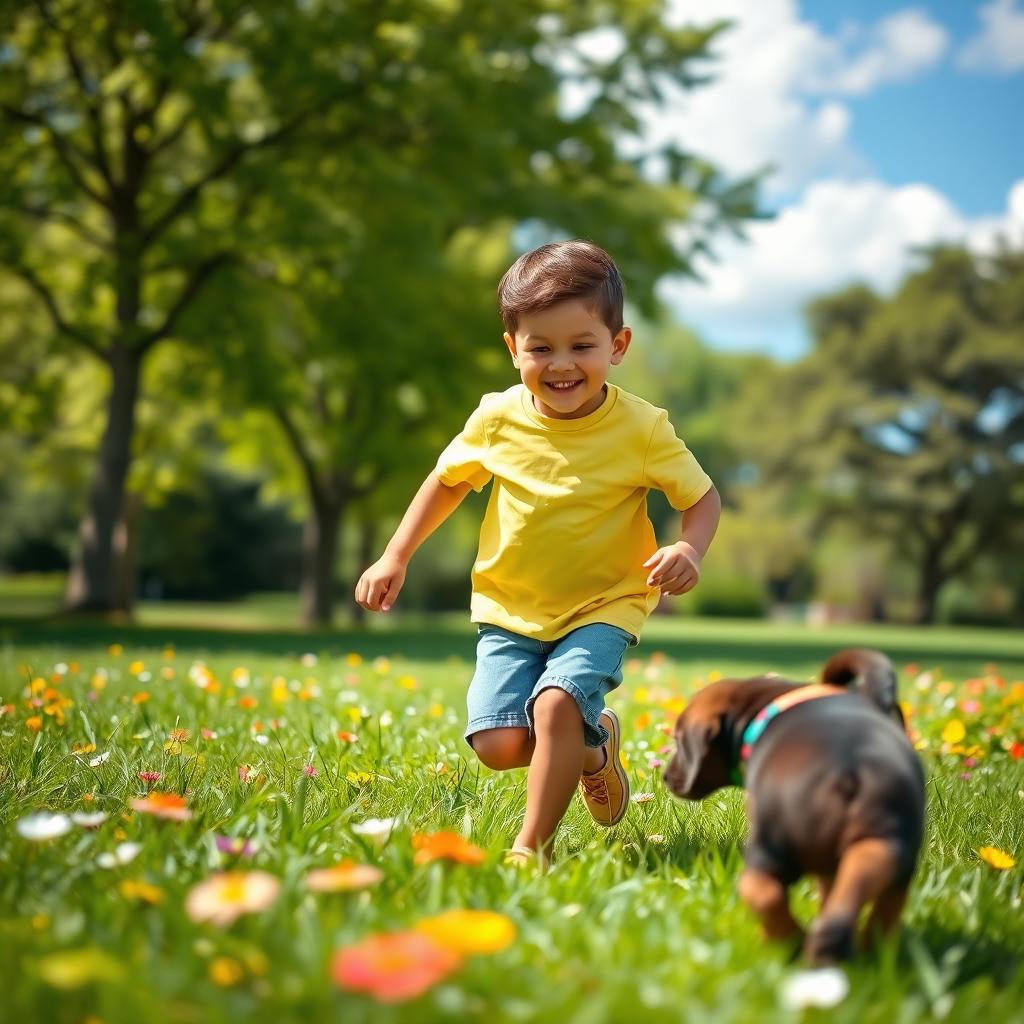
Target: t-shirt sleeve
point(464, 460)
point(671, 467)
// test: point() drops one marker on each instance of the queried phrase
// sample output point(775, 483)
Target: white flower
point(825, 987)
point(123, 853)
point(42, 826)
point(377, 830)
point(386, 719)
point(656, 840)
point(99, 759)
point(308, 660)
point(261, 739)
point(93, 820)
point(642, 798)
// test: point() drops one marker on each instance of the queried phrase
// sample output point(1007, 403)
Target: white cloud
point(999, 47)
point(777, 97)
point(837, 233)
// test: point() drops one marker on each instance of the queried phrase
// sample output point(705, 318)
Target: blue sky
point(890, 126)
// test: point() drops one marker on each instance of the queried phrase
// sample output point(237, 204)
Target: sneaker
point(606, 791)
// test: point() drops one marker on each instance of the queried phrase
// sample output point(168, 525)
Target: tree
point(907, 418)
point(150, 149)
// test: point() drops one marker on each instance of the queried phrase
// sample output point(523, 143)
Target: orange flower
point(247, 701)
point(346, 737)
point(225, 896)
point(1016, 750)
point(348, 876)
point(163, 805)
point(996, 858)
point(446, 846)
point(178, 735)
point(34, 724)
point(141, 697)
point(393, 968)
point(470, 931)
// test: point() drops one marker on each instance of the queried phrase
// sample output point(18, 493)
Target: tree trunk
point(929, 582)
point(91, 578)
point(319, 553)
point(126, 545)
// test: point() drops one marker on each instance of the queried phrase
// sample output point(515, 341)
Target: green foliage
point(906, 421)
point(731, 597)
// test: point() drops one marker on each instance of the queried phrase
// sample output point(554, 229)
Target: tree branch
point(301, 451)
point(30, 277)
point(63, 149)
point(83, 231)
point(189, 291)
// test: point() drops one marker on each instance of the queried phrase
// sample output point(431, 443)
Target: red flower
point(393, 968)
point(1016, 750)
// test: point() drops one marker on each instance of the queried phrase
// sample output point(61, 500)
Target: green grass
point(626, 927)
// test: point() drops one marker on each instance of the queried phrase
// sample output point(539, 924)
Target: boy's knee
point(554, 710)
point(501, 749)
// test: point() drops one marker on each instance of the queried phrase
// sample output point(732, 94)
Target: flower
point(376, 830)
point(225, 896)
point(393, 968)
point(996, 858)
point(99, 759)
point(824, 987)
point(42, 826)
point(445, 846)
point(123, 853)
point(469, 931)
point(141, 697)
point(348, 876)
point(93, 820)
point(1017, 750)
point(247, 701)
point(225, 971)
point(309, 771)
point(642, 798)
point(149, 776)
point(163, 805)
point(346, 737)
point(235, 845)
point(131, 889)
point(34, 724)
point(954, 731)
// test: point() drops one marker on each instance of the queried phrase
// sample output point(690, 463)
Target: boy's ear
point(510, 342)
point(619, 345)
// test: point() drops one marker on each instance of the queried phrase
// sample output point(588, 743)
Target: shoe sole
point(615, 742)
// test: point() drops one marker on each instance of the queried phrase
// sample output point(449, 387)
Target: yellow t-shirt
point(566, 532)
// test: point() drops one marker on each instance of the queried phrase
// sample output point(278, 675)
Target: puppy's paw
point(829, 940)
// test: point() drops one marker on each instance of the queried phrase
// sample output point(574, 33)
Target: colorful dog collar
point(759, 722)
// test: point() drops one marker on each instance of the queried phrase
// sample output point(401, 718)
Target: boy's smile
point(563, 355)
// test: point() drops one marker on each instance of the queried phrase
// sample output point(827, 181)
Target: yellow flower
point(994, 857)
point(358, 778)
point(714, 676)
point(954, 731)
point(469, 931)
point(136, 667)
point(115, 650)
point(408, 683)
point(143, 891)
point(279, 691)
point(226, 971)
point(435, 710)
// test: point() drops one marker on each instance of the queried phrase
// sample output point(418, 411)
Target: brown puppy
point(834, 790)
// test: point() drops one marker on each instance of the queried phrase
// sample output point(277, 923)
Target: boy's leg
point(555, 767)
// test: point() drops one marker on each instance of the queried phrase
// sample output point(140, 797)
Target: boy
point(567, 570)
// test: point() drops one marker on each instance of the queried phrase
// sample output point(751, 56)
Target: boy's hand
point(675, 568)
point(379, 585)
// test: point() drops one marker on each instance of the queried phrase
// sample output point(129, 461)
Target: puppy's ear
point(870, 673)
point(691, 774)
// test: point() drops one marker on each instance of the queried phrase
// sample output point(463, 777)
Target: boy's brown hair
point(558, 271)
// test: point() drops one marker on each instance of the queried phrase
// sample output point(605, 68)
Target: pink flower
point(225, 896)
point(393, 968)
point(149, 776)
point(309, 771)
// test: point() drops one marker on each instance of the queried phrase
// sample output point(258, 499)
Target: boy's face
point(563, 354)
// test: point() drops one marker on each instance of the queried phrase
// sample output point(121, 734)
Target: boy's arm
point(433, 504)
point(676, 568)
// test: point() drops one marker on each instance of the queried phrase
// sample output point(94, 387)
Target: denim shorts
point(511, 670)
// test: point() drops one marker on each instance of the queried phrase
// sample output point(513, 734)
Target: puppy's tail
point(868, 672)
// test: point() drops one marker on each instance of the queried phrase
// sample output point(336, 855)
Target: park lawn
point(291, 742)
